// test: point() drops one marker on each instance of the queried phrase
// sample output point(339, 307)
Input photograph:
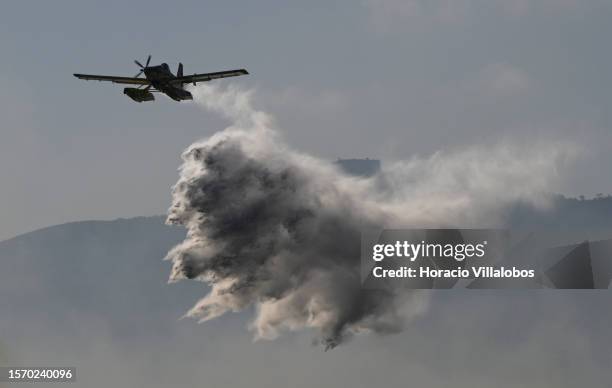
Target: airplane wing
point(209, 76)
point(117, 80)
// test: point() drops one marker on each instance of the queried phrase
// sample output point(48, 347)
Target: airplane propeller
point(142, 68)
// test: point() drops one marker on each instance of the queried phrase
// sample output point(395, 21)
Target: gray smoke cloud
point(279, 230)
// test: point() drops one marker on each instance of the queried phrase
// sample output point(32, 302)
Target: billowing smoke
point(279, 230)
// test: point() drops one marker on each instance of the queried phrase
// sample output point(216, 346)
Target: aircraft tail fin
point(179, 72)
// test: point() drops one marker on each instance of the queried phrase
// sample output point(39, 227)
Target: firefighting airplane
point(161, 80)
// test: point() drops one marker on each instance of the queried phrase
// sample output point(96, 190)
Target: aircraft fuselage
point(161, 79)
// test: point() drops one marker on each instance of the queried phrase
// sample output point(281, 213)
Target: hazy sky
point(377, 78)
